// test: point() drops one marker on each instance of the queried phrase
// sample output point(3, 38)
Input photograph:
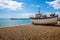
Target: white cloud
point(10, 4)
point(55, 4)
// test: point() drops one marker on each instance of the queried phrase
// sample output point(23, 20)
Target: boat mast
point(39, 10)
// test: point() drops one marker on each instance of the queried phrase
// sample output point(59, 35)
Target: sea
point(7, 22)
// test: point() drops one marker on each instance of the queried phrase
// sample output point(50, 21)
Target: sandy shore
point(31, 32)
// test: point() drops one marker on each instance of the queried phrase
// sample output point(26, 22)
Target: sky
point(28, 8)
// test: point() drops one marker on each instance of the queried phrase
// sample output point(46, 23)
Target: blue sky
point(27, 8)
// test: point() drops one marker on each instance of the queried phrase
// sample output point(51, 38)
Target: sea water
point(4, 22)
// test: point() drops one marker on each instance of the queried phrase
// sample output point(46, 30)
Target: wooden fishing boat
point(48, 20)
point(43, 19)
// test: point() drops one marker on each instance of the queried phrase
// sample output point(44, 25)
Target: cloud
point(55, 4)
point(10, 4)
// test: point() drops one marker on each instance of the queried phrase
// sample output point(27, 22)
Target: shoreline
point(13, 25)
point(20, 25)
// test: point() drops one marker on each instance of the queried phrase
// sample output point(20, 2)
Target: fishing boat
point(43, 19)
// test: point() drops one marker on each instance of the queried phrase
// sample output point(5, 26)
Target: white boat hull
point(45, 21)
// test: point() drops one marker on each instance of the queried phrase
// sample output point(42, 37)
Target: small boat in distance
point(43, 19)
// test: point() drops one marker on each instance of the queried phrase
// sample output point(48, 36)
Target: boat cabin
point(38, 15)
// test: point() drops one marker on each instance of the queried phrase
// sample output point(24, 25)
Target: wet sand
point(31, 32)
